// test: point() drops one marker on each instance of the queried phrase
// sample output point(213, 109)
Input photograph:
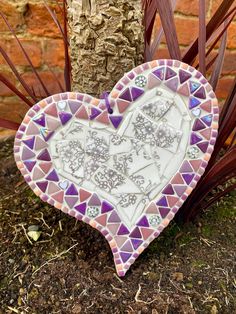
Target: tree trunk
point(106, 38)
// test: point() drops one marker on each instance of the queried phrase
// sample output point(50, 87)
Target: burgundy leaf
point(167, 20)
point(9, 124)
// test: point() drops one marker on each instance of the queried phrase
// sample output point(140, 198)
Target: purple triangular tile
point(42, 185)
point(200, 93)
point(193, 102)
point(186, 167)
point(94, 200)
point(30, 164)
point(203, 146)
point(159, 73)
point(136, 243)
point(172, 84)
point(164, 211)
point(106, 207)
point(126, 95)
point(125, 256)
point(143, 222)
point(72, 190)
point(207, 119)
point(27, 153)
point(195, 138)
point(123, 230)
point(115, 120)
point(114, 217)
point(136, 233)
point(81, 208)
point(162, 202)
point(53, 176)
point(127, 247)
point(184, 76)
point(74, 105)
point(188, 177)
point(193, 86)
point(46, 134)
point(136, 92)
point(40, 120)
point(170, 73)
point(64, 117)
point(168, 190)
point(198, 125)
point(30, 142)
point(71, 201)
point(94, 113)
point(44, 155)
point(180, 189)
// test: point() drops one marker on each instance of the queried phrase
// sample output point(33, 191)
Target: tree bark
point(106, 38)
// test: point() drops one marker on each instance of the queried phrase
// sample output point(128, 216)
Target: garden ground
point(188, 269)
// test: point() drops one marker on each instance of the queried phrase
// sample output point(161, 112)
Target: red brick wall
point(41, 39)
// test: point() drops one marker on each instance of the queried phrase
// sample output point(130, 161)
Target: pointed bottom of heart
point(127, 248)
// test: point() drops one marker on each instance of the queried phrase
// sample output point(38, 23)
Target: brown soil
point(70, 269)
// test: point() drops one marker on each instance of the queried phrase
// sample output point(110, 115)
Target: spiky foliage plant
point(219, 177)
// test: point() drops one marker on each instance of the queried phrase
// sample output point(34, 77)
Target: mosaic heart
point(128, 172)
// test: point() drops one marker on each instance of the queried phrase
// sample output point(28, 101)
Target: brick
point(33, 49)
point(13, 110)
point(224, 87)
point(232, 36)
point(229, 66)
point(39, 21)
point(14, 15)
point(183, 27)
point(182, 24)
point(189, 7)
point(3, 44)
point(162, 53)
point(54, 53)
point(47, 78)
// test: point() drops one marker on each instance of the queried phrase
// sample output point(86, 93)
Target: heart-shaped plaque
point(128, 172)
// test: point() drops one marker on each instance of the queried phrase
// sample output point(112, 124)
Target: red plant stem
point(215, 21)
point(167, 20)
point(202, 37)
point(9, 124)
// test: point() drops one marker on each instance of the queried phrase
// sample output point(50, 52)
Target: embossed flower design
point(140, 81)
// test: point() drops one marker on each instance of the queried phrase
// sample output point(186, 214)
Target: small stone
point(33, 228)
point(189, 285)
point(22, 291)
point(11, 260)
point(214, 309)
point(34, 235)
point(76, 309)
point(178, 276)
